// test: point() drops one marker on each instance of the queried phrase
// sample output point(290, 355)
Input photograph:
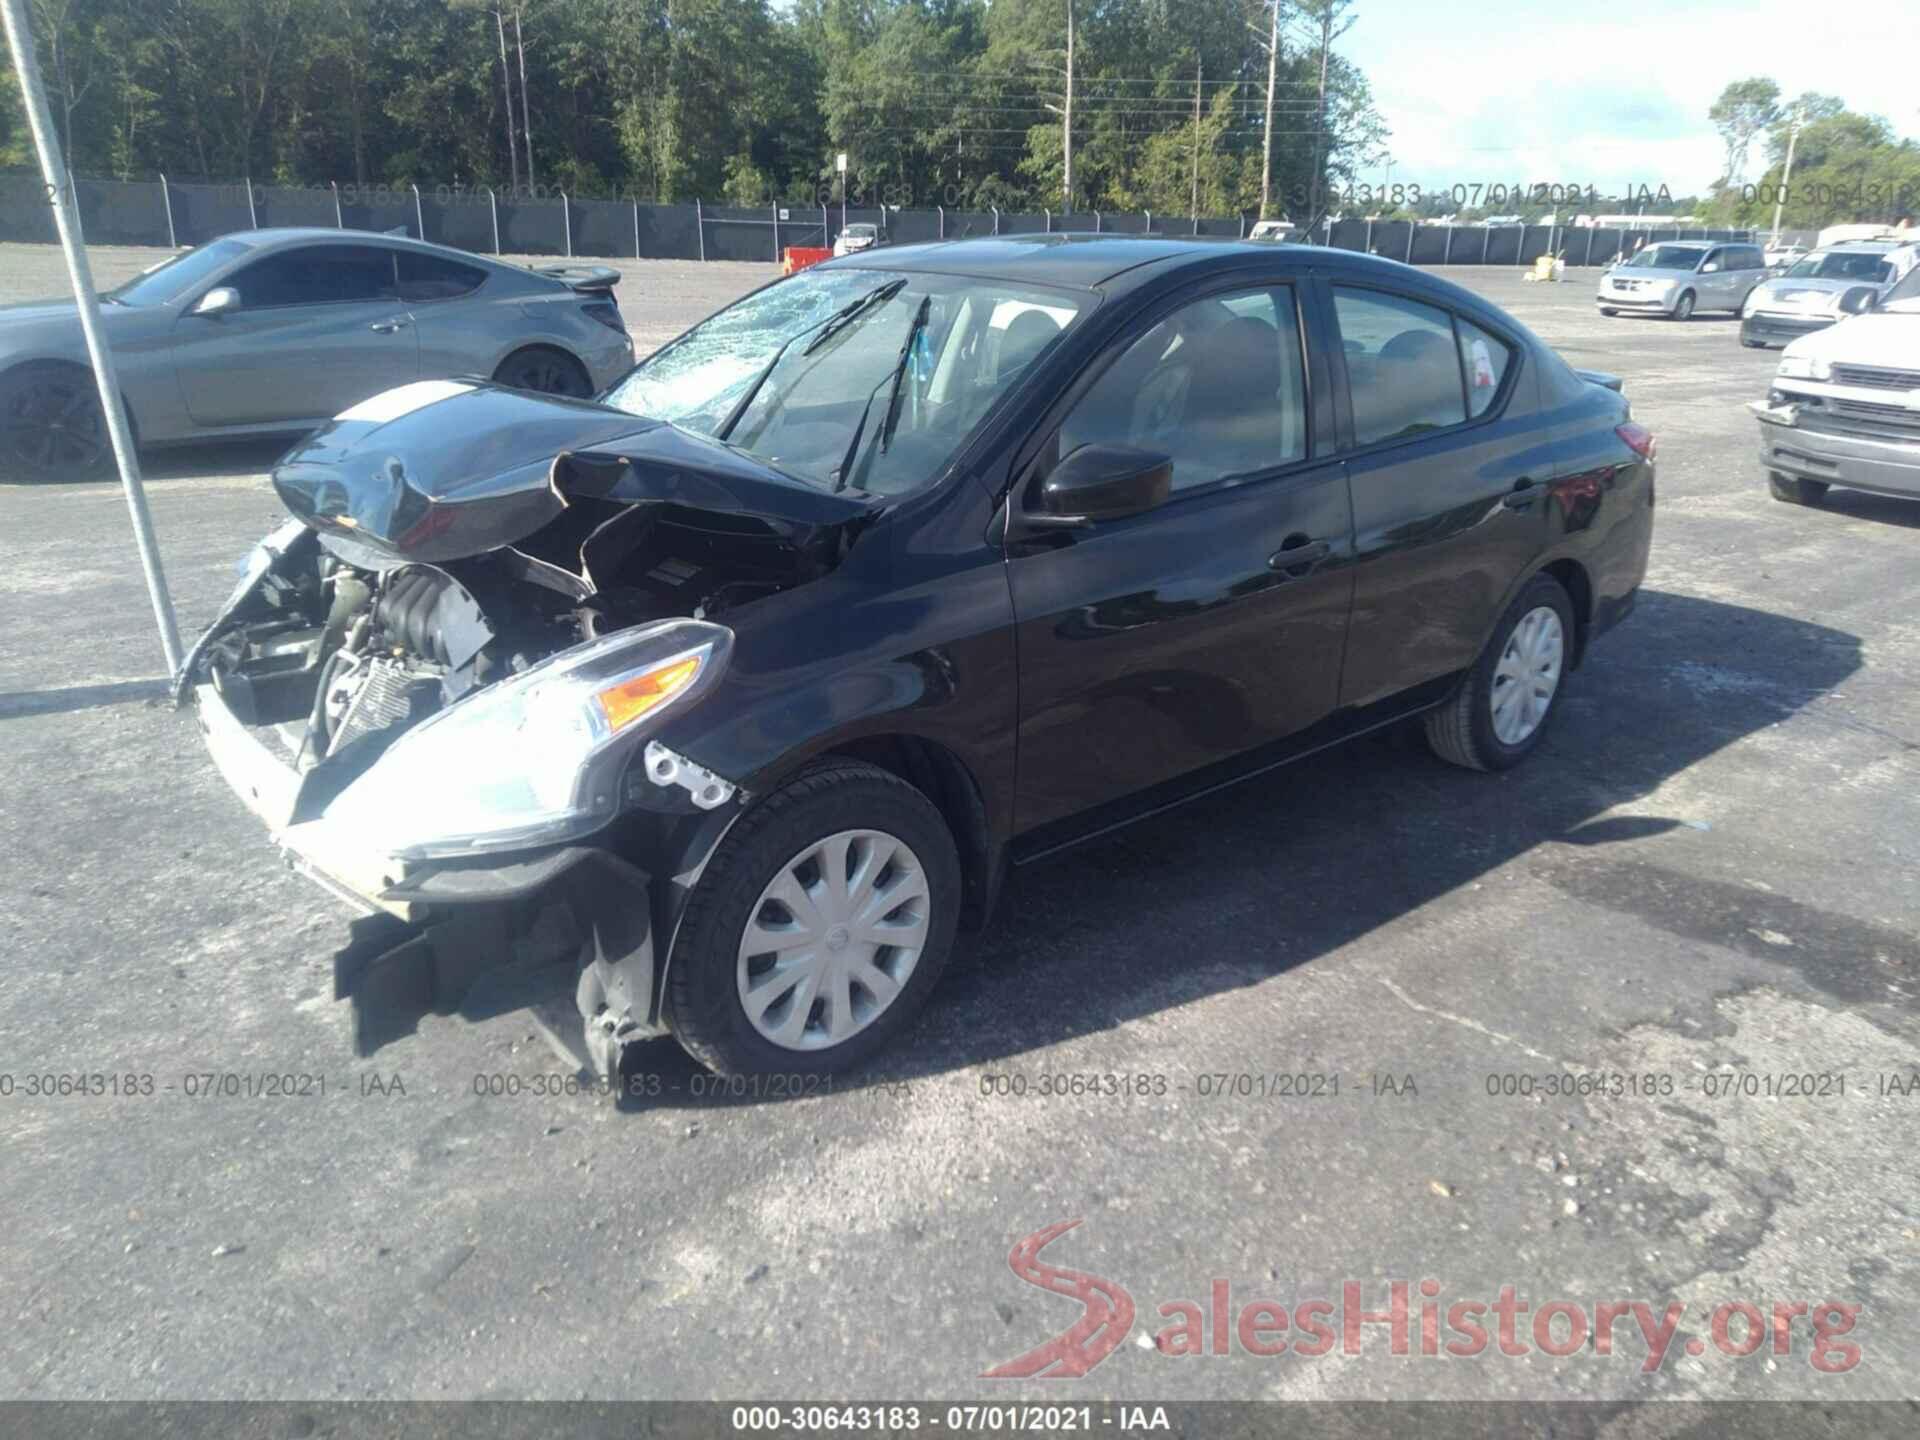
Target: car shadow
point(214, 458)
point(1236, 889)
point(1881, 509)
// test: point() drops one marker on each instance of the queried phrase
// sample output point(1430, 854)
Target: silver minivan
point(1677, 277)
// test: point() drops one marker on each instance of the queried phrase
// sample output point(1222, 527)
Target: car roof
point(1079, 261)
point(306, 234)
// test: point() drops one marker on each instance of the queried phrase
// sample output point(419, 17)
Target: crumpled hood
point(443, 469)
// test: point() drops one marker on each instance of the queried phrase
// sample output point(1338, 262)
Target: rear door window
point(318, 275)
point(1403, 365)
point(1484, 359)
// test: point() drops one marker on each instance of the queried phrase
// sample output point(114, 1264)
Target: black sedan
point(728, 699)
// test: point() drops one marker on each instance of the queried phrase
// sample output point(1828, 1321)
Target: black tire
point(702, 1002)
point(1462, 730)
point(1683, 307)
point(545, 371)
point(1796, 492)
point(1753, 344)
point(1608, 311)
point(51, 425)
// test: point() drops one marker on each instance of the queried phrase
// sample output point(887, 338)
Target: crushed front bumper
point(475, 937)
point(1764, 327)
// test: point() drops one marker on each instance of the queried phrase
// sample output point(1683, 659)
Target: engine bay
point(340, 658)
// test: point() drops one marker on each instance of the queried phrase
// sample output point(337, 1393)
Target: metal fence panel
point(914, 227)
point(285, 206)
point(206, 212)
point(1534, 240)
point(25, 215)
point(532, 227)
point(1348, 235)
point(1430, 244)
point(669, 232)
point(602, 227)
point(117, 213)
point(1033, 222)
point(464, 220)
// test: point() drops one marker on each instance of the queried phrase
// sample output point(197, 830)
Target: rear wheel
point(1608, 310)
point(546, 371)
point(1683, 307)
point(1501, 710)
point(1796, 492)
point(51, 425)
point(820, 927)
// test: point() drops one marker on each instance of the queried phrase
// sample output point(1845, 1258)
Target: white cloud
point(1503, 93)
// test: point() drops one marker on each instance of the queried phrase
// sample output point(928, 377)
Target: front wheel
point(1683, 307)
point(819, 928)
point(1796, 492)
point(1501, 710)
point(1608, 311)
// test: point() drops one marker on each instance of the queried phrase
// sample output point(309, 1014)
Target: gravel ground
point(1705, 872)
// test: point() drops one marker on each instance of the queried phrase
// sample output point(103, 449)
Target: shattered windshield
point(852, 379)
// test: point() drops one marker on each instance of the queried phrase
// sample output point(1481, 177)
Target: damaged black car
point(727, 699)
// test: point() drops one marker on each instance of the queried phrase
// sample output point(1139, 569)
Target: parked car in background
point(1845, 405)
point(1807, 297)
point(855, 238)
point(1275, 231)
point(272, 331)
point(1677, 277)
point(755, 676)
point(1780, 257)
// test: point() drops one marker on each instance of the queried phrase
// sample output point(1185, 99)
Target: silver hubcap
point(833, 939)
point(1528, 674)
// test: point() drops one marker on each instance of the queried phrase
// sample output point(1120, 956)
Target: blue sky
point(1611, 94)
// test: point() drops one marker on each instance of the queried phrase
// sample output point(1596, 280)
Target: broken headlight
point(533, 760)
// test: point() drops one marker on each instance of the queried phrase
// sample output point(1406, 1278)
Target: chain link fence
point(170, 213)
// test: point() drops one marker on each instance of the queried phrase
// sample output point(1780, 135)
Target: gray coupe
point(277, 331)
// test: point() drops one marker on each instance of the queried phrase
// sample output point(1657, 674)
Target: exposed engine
point(343, 659)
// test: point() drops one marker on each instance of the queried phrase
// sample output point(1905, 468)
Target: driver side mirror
point(1710, 267)
point(1859, 300)
point(218, 301)
point(1103, 482)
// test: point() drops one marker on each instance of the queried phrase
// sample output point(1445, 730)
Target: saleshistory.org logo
point(1471, 1328)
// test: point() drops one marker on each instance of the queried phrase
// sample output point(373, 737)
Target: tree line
point(959, 103)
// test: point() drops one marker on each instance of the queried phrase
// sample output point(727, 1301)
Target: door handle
point(387, 327)
point(1521, 497)
point(1297, 555)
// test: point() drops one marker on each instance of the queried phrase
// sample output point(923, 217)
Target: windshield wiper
point(892, 382)
point(833, 324)
point(900, 371)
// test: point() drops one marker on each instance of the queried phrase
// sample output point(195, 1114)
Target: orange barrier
point(799, 257)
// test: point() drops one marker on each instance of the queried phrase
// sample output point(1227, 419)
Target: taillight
point(1638, 438)
point(607, 313)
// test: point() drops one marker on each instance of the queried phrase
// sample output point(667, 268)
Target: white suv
point(1845, 405)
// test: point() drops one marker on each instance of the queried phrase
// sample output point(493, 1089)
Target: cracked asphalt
point(1697, 892)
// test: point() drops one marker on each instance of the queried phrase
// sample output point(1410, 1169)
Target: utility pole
point(1786, 175)
point(1066, 124)
point(1198, 81)
point(1266, 140)
point(506, 89)
point(526, 117)
point(60, 194)
point(1065, 111)
point(1320, 116)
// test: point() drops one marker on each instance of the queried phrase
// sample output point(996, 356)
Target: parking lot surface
point(1323, 1025)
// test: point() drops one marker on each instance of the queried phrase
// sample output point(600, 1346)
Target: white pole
point(1780, 200)
point(566, 206)
point(47, 144)
point(419, 219)
point(253, 219)
point(339, 220)
point(493, 211)
point(167, 200)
